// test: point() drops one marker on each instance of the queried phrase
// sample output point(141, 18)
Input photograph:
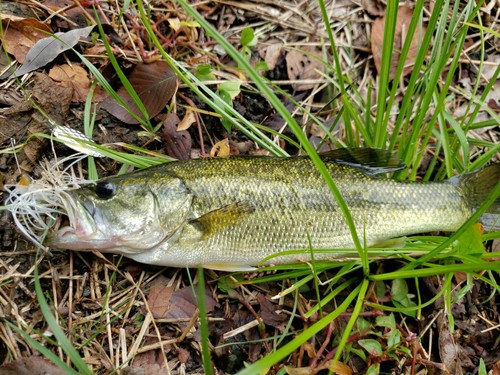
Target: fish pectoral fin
point(229, 267)
point(215, 221)
point(371, 161)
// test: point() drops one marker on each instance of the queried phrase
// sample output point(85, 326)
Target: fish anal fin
point(229, 267)
point(214, 221)
point(390, 243)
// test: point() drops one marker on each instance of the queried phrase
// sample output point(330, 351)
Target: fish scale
point(310, 215)
point(231, 213)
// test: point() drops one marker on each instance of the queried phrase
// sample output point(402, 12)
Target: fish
point(231, 213)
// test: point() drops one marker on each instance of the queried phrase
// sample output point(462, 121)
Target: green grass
point(412, 133)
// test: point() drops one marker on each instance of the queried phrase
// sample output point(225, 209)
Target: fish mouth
point(84, 229)
point(78, 230)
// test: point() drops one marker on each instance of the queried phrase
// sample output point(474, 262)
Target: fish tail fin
point(476, 186)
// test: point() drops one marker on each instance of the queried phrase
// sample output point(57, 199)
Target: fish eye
point(105, 189)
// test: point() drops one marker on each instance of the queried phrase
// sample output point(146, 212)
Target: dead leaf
point(174, 23)
point(271, 53)
point(269, 314)
point(15, 120)
point(149, 362)
point(186, 293)
point(45, 93)
point(405, 15)
point(167, 303)
point(30, 366)
point(242, 147)
point(299, 370)
point(21, 34)
point(155, 84)
point(374, 7)
point(74, 16)
point(275, 121)
point(159, 300)
point(495, 370)
point(47, 49)
point(221, 149)
point(448, 349)
point(336, 367)
point(304, 64)
point(10, 96)
point(178, 143)
point(183, 355)
point(339, 368)
point(317, 131)
point(188, 120)
point(73, 76)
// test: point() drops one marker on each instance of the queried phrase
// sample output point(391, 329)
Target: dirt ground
point(125, 317)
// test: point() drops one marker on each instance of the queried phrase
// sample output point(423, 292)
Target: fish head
point(123, 215)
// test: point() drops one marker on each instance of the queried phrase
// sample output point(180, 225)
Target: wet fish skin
point(231, 213)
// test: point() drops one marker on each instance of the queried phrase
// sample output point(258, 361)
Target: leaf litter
point(405, 15)
point(73, 76)
point(81, 284)
point(47, 49)
point(21, 34)
point(154, 83)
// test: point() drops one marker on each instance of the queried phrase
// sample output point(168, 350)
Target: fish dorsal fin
point(219, 219)
point(371, 161)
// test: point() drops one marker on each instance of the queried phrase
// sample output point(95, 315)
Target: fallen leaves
point(302, 65)
point(404, 18)
point(21, 34)
point(221, 149)
point(177, 141)
point(269, 313)
point(165, 302)
point(47, 49)
point(30, 366)
point(155, 84)
point(73, 76)
point(271, 53)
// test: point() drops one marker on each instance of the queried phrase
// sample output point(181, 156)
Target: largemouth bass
point(229, 214)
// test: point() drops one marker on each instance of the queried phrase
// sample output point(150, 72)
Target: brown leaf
point(271, 52)
point(339, 368)
point(183, 355)
point(405, 15)
point(448, 349)
point(187, 294)
point(149, 362)
point(374, 7)
point(47, 49)
point(495, 370)
point(181, 307)
point(493, 104)
point(46, 93)
point(304, 65)
point(178, 143)
point(155, 84)
point(73, 76)
point(184, 304)
point(70, 12)
point(30, 366)
point(164, 302)
point(269, 314)
point(20, 34)
point(188, 120)
point(159, 300)
point(221, 149)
